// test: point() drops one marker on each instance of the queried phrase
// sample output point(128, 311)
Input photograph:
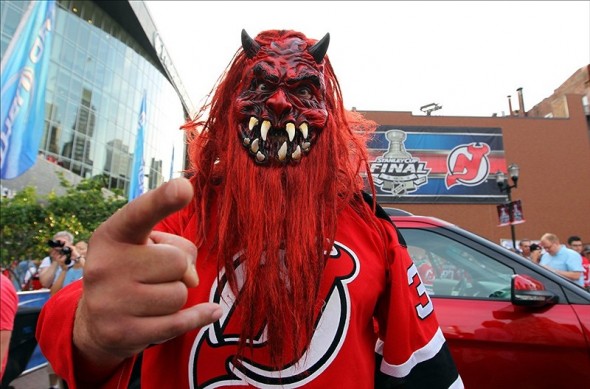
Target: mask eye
point(304, 92)
point(263, 87)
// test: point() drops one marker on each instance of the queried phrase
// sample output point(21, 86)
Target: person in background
point(8, 307)
point(586, 254)
point(574, 242)
point(29, 274)
point(81, 247)
point(525, 248)
point(536, 252)
point(561, 260)
point(49, 268)
point(71, 269)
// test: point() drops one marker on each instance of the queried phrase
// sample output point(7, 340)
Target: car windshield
point(451, 268)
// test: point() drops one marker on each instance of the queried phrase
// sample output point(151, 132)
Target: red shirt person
point(575, 243)
point(8, 307)
point(294, 266)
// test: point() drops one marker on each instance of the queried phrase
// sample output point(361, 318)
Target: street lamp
point(505, 186)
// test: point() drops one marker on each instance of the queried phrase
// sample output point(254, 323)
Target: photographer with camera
point(71, 265)
point(61, 243)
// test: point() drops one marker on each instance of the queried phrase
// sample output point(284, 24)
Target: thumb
point(134, 222)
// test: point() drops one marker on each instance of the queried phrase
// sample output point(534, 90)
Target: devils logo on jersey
point(211, 362)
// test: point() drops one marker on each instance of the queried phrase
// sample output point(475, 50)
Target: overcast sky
point(466, 56)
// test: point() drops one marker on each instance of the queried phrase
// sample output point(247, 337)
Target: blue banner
point(23, 78)
point(429, 164)
point(136, 184)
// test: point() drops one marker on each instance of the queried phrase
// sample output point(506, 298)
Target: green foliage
point(29, 220)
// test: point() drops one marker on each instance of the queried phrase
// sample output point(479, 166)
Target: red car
point(509, 322)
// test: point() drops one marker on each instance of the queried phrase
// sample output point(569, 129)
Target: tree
point(29, 220)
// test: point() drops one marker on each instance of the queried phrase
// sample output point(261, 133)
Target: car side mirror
point(527, 291)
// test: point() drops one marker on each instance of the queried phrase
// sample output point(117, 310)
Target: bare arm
point(571, 275)
point(47, 274)
point(58, 283)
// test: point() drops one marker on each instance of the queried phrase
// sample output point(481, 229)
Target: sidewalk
point(34, 380)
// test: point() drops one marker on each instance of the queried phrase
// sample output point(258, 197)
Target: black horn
point(318, 51)
point(249, 45)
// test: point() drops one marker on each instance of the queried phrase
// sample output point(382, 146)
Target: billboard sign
point(411, 164)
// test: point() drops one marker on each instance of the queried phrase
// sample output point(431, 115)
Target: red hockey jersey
point(377, 329)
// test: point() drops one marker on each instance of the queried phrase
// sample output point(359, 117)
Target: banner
point(516, 215)
point(503, 215)
point(24, 72)
point(136, 184)
point(436, 164)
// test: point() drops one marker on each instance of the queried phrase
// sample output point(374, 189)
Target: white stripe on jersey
point(425, 353)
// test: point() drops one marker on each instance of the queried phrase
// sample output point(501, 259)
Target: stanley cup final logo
point(397, 172)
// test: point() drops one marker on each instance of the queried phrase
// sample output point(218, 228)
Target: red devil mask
point(282, 107)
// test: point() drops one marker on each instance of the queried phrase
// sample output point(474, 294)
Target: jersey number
point(423, 310)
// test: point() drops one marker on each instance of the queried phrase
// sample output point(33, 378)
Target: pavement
point(36, 379)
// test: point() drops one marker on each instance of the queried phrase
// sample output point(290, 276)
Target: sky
point(465, 56)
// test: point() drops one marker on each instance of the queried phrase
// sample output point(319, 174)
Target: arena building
point(104, 56)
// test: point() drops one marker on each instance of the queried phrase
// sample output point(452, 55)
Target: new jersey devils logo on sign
point(468, 165)
point(211, 366)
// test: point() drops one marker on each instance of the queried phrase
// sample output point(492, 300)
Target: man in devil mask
point(300, 283)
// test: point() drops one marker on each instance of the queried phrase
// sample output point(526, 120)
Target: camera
point(64, 250)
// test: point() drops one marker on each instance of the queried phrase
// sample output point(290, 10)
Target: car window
point(449, 268)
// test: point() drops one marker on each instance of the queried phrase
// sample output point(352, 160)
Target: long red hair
point(282, 219)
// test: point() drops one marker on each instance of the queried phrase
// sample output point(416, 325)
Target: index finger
point(134, 222)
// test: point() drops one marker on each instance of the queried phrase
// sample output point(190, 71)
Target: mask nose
point(278, 103)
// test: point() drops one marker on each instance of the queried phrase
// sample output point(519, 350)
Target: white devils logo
point(397, 172)
point(468, 165)
point(211, 366)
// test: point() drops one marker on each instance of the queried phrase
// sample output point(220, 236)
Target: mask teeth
point(297, 153)
point(260, 157)
point(282, 154)
point(290, 128)
point(253, 122)
point(264, 129)
point(304, 130)
point(255, 145)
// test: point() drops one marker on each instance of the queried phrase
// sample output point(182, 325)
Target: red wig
point(281, 217)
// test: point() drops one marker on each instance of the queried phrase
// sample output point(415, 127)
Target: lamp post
point(505, 186)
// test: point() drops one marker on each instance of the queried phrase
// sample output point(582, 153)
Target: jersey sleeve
point(411, 348)
point(55, 328)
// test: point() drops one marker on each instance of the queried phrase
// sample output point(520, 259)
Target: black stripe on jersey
point(437, 372)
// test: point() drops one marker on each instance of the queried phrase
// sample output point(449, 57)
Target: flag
point(503, 215)
point(172, 163)
point(516, 215)
point(136, 185)
point(23, 74)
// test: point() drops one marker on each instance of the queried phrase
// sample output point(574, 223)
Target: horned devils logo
point(468, 165)
point(210, 364)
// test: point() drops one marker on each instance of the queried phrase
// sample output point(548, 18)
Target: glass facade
point(98, 74)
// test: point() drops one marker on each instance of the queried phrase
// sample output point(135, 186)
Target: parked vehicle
point(509, 323)
point(30, 304)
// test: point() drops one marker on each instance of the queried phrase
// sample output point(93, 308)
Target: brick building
point(555, 105)
point(551, 145)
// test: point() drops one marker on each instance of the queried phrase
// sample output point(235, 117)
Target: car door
point(494, 343)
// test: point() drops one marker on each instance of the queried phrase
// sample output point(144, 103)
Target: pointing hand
point(136, 282)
